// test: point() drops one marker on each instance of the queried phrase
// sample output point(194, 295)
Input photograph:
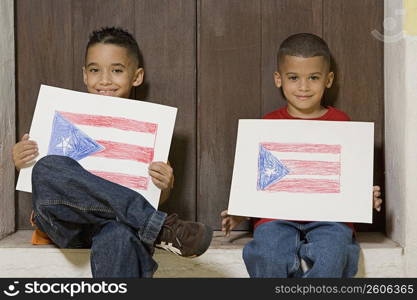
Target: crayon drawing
point(113, 138)
point(299, 168)
point(303, 170)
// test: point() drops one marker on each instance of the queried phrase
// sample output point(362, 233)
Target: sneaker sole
point(205, 243)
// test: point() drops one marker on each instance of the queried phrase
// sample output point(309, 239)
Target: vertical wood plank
point(166, 31)
point(281, 19)
point(92, 15)
point(7, 118)
point(359, 86)
point(44, 55)
point(228, 90)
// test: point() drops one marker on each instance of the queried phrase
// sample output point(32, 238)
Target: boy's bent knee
point(51, 161)
point(49, 164)
point(50, 170)
point(270, 263)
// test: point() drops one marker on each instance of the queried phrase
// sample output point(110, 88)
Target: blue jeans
point(77, 209)
point(328, 248)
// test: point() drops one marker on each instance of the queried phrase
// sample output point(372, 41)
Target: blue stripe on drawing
point(68, 140)
point(270, 169)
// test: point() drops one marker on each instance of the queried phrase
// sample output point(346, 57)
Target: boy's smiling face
point(111, 70)
point(303, 81)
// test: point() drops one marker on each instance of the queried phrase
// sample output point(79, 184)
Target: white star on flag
point(269, 172)
point(65, 144)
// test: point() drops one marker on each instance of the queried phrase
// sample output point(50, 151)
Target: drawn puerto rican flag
point(84, 138)
point(299, 168)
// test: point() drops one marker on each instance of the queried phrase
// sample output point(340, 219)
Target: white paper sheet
point(112, 137)
point(303, 170)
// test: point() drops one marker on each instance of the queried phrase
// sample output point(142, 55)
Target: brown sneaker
point(184, 238)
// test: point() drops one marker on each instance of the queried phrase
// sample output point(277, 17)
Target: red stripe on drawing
point(309, 148)
point(125, 151)
point(305, 167)
point(133, 182)
point(114, 122)
point(322, 186)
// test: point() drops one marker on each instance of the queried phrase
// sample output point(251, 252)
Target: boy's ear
point(277, 79)
point(84, 76)
point(329, 81)
point(138, 78)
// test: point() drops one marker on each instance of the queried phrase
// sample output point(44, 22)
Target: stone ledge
point(380, 257)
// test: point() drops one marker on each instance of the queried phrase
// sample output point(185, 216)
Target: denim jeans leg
point(66, 194)
point(273, 250)
point(351, 267)
point(330, 250)
point(118, 252)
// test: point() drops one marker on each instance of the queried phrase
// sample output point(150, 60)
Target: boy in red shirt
point(279, 247)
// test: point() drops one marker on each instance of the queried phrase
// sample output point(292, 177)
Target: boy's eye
point(118, 71)
point(292, 78)
point(93, 70)
point(314, 77)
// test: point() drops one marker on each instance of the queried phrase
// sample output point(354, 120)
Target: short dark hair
point(304, 45)
point(116, 36)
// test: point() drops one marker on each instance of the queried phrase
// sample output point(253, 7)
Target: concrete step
point(380, 257)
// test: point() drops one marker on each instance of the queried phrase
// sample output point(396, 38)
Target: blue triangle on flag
point(68, 140)
point(270, 169)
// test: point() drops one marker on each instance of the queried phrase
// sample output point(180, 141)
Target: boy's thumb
point(25, 137)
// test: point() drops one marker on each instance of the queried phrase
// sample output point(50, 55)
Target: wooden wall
point(7, 118)
point(214, 60)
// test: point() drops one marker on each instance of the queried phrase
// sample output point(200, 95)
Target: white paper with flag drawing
point(113, 138)
point(303, 170)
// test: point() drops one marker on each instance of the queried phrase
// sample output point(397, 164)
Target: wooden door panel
point(229, 85)
point(166, 33)
point(359, 85)
point(43, 56)
point(52, 36)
